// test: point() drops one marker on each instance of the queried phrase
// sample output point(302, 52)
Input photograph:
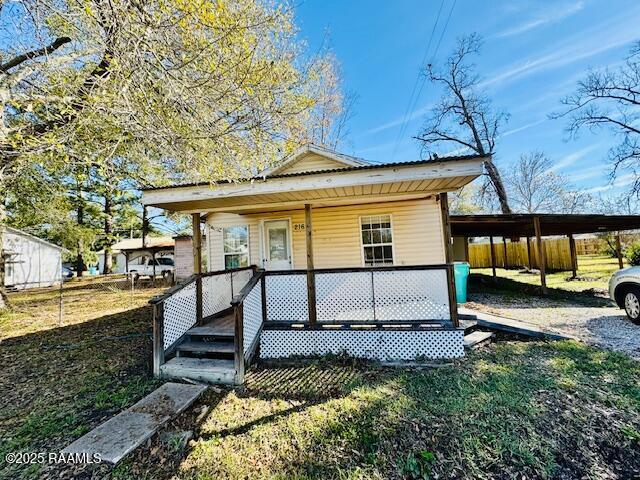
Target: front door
point(277, 248)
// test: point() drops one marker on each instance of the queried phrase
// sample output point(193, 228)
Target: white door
point(277, 245)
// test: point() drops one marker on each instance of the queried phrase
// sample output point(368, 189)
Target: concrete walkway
point(122, 434)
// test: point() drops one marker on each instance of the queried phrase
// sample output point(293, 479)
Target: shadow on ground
point(531, 410)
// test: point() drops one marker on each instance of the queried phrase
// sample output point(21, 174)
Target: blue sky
point(534, 52)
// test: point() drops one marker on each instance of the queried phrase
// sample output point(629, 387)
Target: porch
point(335, 255)
point(211, 327)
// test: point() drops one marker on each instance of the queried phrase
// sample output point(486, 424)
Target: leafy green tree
point(193, 88)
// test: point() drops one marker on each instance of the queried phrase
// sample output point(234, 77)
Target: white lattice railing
point(361, 295)
point(176, 311)
point(251, 317)
point(287, 297)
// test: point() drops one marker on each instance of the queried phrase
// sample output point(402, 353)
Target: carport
point(528, 225)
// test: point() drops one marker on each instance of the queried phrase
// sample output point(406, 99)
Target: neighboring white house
point(30, 261)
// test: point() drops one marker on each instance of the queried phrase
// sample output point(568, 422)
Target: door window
point(278, 243)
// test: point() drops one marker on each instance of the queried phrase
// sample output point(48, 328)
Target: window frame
point(225, 254)
point(362, 244)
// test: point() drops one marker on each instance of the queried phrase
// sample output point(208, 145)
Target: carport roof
point(521, 224)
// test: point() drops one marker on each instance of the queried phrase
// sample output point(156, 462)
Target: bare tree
point(464, 117)
point(610, 100)
point(533, 187)
point(328, 120)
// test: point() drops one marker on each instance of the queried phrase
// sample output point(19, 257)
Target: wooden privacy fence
point(557, 254)
point(589, 246)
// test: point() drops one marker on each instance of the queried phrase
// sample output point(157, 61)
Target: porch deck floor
point(222, 326)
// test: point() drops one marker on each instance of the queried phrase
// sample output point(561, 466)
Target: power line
point(419, 77)
point(453, 5)
point(414, 101)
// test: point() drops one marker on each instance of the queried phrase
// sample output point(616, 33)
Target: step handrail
point(240, 359)
point(158, 304)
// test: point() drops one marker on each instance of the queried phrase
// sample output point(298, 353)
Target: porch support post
point(466, 249)
point(311, 276)
point(493, 257)
point(197, 263)
point(158, 337)
point(126, 261)
point(153, 264)
point(448, 251)
point(619, 250)
point(541, 256)
point(529, 261)
point(504, 246)
point(574, 257)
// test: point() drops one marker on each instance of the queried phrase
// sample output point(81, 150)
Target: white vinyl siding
point(312, 163)
point(417, 233)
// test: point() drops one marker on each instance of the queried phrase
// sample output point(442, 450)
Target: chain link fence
point(90, 293)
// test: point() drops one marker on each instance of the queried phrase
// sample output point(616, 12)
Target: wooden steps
point(206, 347)
point(207, 370)
point(205, 354)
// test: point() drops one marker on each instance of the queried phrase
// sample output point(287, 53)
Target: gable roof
point(364, 166)
point(22, 233)
point(300, 153)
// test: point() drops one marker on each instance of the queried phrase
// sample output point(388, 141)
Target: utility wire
point(405, 117)
point(422, 78)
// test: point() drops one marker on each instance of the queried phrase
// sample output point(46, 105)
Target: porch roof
point(350, 185)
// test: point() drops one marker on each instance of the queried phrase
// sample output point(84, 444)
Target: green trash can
point(461, 274)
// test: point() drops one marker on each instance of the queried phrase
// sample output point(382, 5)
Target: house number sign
point(298, 227)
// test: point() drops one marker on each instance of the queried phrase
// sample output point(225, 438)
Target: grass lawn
point(57, 382)
point(594, 272)
point(513, 410)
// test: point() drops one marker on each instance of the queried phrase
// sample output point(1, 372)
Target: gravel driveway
point(603, 326)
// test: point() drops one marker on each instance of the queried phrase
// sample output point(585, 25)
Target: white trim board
point(433, 170)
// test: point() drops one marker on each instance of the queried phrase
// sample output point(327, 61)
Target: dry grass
point(37, 310)
point(58, 382)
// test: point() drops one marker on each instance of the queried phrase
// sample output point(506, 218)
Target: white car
point(624, 289)
point(164, 267)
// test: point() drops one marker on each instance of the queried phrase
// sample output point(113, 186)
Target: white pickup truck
point(164, 267)
point(624, 289)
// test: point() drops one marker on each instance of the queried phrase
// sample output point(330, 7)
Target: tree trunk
point(496, 181)
point(145, 225)
point(108, 232)
point(80, 265)
point(4, 301)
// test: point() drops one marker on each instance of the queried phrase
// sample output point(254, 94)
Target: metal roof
point(521, 224)
point(333, 170)
point(152, 242)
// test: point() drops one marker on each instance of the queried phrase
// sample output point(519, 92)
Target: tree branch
point(18, 60)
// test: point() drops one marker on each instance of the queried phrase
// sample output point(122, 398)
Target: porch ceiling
point(319, 189)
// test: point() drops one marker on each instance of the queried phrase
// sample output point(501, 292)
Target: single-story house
point(30, 262)
point(326, 253)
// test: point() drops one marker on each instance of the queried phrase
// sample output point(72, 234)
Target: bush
point(633, 254)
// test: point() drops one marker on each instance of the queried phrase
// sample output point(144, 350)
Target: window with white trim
point(235, 241)
point(377, 240)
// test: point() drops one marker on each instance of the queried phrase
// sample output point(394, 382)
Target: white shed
point(30, 261)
